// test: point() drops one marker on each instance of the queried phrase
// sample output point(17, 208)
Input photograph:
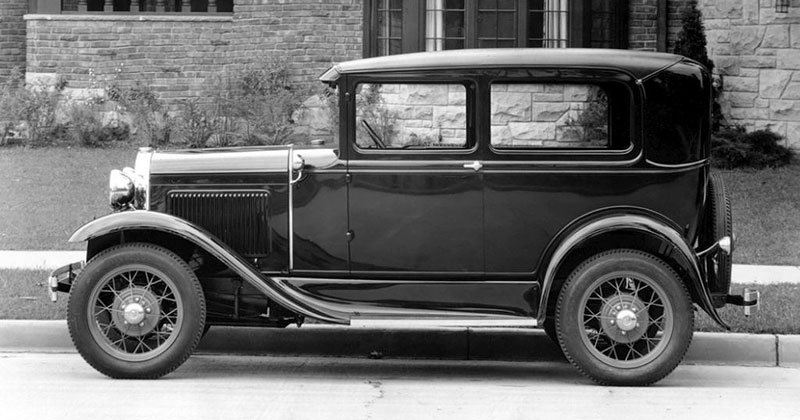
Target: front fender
point(641, 224)
point(150, 220)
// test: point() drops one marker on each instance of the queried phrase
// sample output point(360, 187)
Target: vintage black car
point(565, 189)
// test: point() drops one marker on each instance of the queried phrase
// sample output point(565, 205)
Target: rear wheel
point(624, 318)
point(717, 224)
point(136, 311)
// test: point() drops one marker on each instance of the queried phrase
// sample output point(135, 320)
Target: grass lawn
point(48, 193)
point(22, 298)
point(766, 214)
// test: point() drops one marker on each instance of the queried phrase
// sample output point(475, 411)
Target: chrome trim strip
point(697, 163)
point(413, 323)
point(142, 168)
point(290, 186)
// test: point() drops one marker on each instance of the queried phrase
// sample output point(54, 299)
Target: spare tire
point(717, 224)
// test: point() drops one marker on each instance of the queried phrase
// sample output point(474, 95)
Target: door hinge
point(349, 235)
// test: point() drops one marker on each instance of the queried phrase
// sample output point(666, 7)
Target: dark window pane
point(454, 24)
point(453, 44)
point(396, 24)
point(487, 4)
point(506, 4)
point(395, 46)
point(487, 25)
point(454, 4)
point(506, 25)
point(506, 44)
point(396, 4)
point(487, 43)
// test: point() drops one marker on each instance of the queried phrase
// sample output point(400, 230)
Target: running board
point(439, 322)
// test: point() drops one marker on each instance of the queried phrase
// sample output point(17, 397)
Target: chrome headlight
point(121, 188)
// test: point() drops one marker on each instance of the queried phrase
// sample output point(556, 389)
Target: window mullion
point(470, 24)
point(522, 23)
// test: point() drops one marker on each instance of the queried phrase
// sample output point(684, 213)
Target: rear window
point(549, 116)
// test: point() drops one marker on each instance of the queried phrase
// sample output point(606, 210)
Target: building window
point(390, 27)
point(395, 26)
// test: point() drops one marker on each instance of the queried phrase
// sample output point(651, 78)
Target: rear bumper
point(61, 279)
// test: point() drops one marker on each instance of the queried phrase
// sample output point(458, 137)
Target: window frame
point(630, 112)
point(413, 26)
point(358, 153)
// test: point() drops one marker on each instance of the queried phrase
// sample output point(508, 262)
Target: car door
point(415, 194)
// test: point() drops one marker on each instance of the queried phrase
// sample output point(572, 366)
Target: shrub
point(691, 43)
point(255, 106)
point(87, 128)
point(196, 124)
point(735, 148)
point(153, 122)
point(29, 111)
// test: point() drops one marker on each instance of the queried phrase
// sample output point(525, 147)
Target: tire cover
point(718, 223)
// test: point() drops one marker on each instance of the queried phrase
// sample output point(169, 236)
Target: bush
point(691, 43)
point(29, 111)
point(255, 106)
point(735, 148)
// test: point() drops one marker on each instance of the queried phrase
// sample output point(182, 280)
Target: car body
point(569, 189)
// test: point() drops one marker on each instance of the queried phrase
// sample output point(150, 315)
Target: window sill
point(131, 17)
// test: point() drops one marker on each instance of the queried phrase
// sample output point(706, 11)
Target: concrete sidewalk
point(49, 260)
point(440, 344)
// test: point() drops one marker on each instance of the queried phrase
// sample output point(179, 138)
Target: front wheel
point(624, 318)
point(136, 311)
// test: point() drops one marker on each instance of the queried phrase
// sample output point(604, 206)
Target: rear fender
point(138, 220)
point(637, 223)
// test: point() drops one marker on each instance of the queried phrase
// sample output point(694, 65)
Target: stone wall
point(757, 51)
point(12, 36)
point(182, 56)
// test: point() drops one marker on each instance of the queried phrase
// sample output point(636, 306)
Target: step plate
point(414, 323)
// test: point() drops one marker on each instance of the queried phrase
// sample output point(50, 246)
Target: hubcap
point(621, 315)
point(136, 311)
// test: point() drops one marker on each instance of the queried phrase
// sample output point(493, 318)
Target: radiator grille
point(238, 218)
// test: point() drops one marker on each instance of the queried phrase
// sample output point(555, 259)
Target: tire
point(137, 311)
point(718, 223)
point(624, 318)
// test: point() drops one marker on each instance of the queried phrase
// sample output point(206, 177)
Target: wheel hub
point(624, 318)
point(136, 311)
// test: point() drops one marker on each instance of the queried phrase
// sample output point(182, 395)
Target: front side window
point(549, 115)
point(411, 116)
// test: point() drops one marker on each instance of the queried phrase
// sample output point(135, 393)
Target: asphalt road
point(62, 386)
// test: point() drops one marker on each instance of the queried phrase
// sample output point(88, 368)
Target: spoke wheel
point(626, 322)
point(624, 318)
point(136, 311)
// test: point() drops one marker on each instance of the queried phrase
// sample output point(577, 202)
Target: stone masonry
point(757, 51)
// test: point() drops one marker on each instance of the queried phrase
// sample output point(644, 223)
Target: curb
point(513, 344)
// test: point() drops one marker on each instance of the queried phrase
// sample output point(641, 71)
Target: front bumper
point(61, 279)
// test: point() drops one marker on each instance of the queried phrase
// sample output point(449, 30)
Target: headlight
point(121, 188)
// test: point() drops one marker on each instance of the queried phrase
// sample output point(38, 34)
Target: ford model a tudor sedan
point(565, 189)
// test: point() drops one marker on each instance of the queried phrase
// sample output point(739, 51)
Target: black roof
point(639, 63)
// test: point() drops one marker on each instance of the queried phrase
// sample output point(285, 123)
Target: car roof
point(638, 63)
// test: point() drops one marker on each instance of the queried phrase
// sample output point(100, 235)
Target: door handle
point(475, 166)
